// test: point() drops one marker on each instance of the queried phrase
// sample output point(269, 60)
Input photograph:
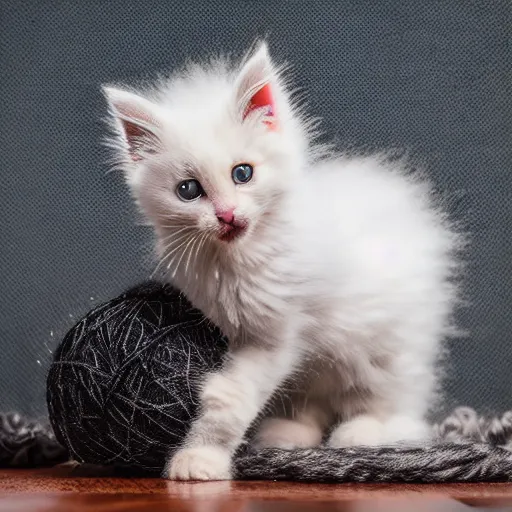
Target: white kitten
point(332, 277)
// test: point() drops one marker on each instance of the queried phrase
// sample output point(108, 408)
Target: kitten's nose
point(226, 216)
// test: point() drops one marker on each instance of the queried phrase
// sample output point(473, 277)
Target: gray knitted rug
point(468, 448)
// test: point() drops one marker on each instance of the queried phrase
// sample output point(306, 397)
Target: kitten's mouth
point(229, 232)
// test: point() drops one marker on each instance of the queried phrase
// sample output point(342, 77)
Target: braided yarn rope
point(25, 443)
point(467, 448)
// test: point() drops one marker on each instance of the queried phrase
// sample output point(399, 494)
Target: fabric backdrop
point(431, 77)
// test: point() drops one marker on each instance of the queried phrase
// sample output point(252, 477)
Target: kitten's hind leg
point(364, 430)
point(302, 432)
point(395, 393)
point(367, 430)
point(287, 434)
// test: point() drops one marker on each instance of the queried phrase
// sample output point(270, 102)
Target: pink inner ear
point(264, 99)
point(134, 135)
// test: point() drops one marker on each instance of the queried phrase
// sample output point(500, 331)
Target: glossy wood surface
point(66, 490)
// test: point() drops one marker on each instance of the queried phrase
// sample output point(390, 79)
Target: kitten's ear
point(255, 87)
point(137, 119)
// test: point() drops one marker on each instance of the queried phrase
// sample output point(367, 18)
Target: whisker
point(190, 253)
point(173, 241)
point(174, 251)
point(182, 254)
point(201, 240)
point(168, 253)
point(203, 243)
point(174, 233)
point(174, 226)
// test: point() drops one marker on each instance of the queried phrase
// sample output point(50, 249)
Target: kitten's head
point(211, 152)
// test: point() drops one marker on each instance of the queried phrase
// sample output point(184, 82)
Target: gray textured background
point(427, 76)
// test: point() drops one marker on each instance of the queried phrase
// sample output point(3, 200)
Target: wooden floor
point(63, 490)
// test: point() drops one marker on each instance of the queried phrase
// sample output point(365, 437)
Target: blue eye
point(241, 173)
point(189, 190)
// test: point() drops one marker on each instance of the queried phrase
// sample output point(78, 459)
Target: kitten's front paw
point(199, 463)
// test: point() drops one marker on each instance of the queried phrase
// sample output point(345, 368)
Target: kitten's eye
point(189, 190)
point(242, 173)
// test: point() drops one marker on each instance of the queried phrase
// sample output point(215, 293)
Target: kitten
point(332, 276)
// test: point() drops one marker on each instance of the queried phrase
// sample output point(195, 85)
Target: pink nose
point(226, 216)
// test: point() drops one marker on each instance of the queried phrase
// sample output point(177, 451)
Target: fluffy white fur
point(340, 291)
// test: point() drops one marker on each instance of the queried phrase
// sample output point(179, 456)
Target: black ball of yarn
point(123, 387)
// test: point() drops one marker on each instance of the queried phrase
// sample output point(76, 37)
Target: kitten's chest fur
point(245, 298)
